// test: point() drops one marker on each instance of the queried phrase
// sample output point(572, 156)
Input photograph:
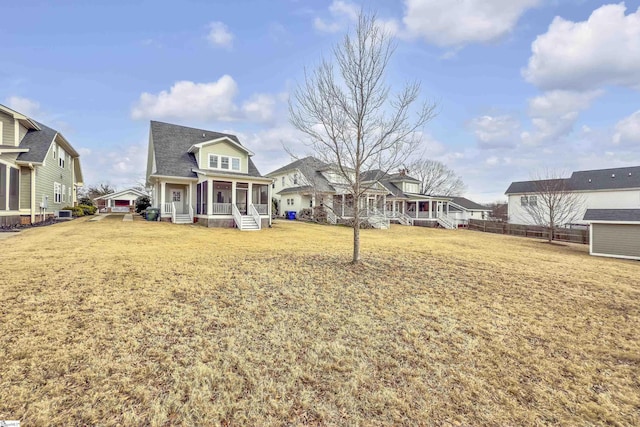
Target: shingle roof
point(38, 143)
point(612, 215)
point(468, 204)
point(599, 179)
point(171, 144)
point(309, 167)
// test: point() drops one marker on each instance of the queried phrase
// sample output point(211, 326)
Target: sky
point(520, 85)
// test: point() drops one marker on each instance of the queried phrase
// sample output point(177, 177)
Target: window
point(3, 187)
point(61, 158)
point(176, 196)
point(57, 193)
point(224, 163)
point(64, 193)
point(14, 184)
point(524, 201)
point(235, 164)
point(213, 161)
point(55, 150)
point(295, 178)
point(533, 200)
point(283, 181)
point(70, 198)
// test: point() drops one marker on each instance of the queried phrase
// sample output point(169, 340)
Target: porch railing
point(221, 208)
point(168, 208)
point(331, 217)
point(263, 209)
point(237, 217)
point(256, 215)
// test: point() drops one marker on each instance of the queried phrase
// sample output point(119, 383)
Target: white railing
point(256, 215)
point(446, 221)
point(331, 217)
point(237, 217)
point(379, 221)
point(263, 209)
point(191, 213)
point(173, 212)
point(167, 208)
point(221, 208)
point(404, 219)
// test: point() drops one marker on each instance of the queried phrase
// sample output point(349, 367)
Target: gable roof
point(309, 167)
point(118, 193)
point(171, 144)
point(598, 179)
point(468, 204)
point(38, 143)
point(612, 215)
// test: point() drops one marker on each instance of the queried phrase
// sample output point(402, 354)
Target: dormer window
point(226, 163)
point(295, 178)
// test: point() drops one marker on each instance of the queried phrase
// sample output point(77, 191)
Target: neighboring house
point(617, 188)
point(309, 182)
point(39, 170)
point(206, 177)
point(614, 232)
point(119, 201)
point(462, 210)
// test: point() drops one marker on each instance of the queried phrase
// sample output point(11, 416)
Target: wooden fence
point(573, 235)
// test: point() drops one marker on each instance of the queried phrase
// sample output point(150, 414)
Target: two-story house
point(617, 188)
point(207, 177)
point(39, 170)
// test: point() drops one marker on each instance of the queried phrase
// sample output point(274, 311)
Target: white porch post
point(384, 204)
point(343, 205)
point(163, 187)
point(209, 196)
point(188, 196)
point(233, 192)
point(447, 208)
point(430, 213)
point(249, 195)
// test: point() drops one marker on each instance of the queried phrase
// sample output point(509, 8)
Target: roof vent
point(613, 175)
point(629, 173)
point(589, 179)
point(203, 135)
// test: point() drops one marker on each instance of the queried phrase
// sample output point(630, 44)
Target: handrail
point(191, 213)
point(406, 218)
point(331, 217)
point(173, 212)
point(256, 215)
point(237, 217)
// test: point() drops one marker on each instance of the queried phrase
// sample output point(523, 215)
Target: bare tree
point(552, 202)
point(94, 191)
point(349, 115)
point(436, 178)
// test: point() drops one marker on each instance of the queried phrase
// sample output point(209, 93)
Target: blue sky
point(520, 84)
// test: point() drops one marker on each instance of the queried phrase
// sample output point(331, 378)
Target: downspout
point(33, 192)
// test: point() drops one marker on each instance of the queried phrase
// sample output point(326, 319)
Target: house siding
point(8, 130)
point(22, 132)
point(616, 239)
point(9, 158)
point(49, 173)
point(223, 149)
point(25, 188)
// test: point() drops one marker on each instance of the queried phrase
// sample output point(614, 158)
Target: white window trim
point(63, 193)
point(55, 151)
point(1, 135)
point(219, 163)
point(57, 193)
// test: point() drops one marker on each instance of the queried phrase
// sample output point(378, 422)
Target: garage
point(119, 202)
point(614, 233)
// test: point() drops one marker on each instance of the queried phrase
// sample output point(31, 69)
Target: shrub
point(87, 209)
point(142, 203)
point(76, 211)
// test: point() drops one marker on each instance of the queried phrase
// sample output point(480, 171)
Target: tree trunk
point(356, 236)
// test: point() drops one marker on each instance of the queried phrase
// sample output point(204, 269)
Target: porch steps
point(183, 219)
point(248, 223)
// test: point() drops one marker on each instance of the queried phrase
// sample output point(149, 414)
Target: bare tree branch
point(349, 115)
point(436, 178)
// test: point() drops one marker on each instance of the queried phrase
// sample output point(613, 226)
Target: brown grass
point(154, 324)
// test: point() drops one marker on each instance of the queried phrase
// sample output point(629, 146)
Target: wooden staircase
point(183, 219)
point(247, 223)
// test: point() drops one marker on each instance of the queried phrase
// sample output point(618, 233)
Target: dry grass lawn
point(134, 323)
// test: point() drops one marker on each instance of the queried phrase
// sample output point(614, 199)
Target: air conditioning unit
point(64, 214)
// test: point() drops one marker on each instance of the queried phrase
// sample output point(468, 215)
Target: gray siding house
point(198, 175)
point(614, 232)
point(39, 170)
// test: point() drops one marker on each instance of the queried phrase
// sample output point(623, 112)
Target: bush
point(87, 209)
point(316, 214)
point(142, 203)
point(76, 211)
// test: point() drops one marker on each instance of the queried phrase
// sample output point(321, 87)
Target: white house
point(198, 175)
point(119, 201)
point(617, 188)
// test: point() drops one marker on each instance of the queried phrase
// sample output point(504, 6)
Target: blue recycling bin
point(291, 214)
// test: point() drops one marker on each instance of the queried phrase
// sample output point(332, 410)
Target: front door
point(177, 197)
point(241, 200)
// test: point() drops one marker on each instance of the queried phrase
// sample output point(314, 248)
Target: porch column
point(233, 192)
point(249, 195)
point(447, 208)
point(343, 205)
point(430, 213)
point(384, 204)
point(163, 187)
point(209, 196)
point(189, 197)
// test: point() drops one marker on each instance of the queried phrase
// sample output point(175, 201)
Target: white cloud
point(344, 13)
point(260, 107)
point(219, 35)
point(627, 131)
point(449, 24)
point(25, 106)
point(554, 115)
point(121, 166)
point(186, 99)
point(495, 131)
point(604, 50)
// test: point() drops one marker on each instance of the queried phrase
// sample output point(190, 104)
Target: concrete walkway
point(128, 217)
point(99, 217)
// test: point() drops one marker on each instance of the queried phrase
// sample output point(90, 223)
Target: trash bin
point(291, 214)
point(153, 214)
